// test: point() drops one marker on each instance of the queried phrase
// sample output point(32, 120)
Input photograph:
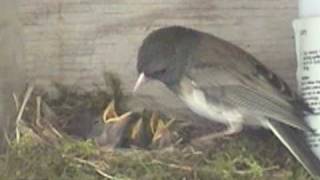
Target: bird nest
point(76, 134)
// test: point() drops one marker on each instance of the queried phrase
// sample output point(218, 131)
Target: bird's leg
point(232, 128)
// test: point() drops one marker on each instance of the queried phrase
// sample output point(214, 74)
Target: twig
point(16, 101)
point(38, 119)
point(96, 167)
point(7, 138)
point(21, 110)
point(178, 141)
point(24, 103)
point(175, 166)
point(38, 115)
point(54, 130)
point(17, 135)
point(271, 168)
point(99, 171)
point(168, 124)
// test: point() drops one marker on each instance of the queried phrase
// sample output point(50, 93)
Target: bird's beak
point(141, 79)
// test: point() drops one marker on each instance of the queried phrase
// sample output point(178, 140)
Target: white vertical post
point(307, 37)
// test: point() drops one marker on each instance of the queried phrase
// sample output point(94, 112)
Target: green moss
point(227, 159)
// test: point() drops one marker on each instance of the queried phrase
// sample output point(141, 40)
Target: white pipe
point(309, 8)
point(307, 38)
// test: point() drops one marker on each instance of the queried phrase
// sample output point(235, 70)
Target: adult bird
point(223, 83)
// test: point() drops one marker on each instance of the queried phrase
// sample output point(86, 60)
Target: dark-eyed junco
point(223, 83)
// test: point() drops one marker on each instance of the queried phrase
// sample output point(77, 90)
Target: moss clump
point(237, 158)
point(31, 161)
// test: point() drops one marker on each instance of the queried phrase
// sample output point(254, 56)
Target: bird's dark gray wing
point(217, 63)
point(296, 143)
point(250, 103)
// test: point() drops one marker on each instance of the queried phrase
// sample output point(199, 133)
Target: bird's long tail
point(296, 143)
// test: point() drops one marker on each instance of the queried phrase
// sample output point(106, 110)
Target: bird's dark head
point(165, 53)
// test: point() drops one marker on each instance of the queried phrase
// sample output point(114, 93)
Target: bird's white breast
point(197, 102)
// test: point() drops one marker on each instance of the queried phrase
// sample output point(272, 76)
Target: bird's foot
point(226, 134)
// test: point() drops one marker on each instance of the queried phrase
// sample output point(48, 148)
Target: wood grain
point(74, 41)
point(11, 56)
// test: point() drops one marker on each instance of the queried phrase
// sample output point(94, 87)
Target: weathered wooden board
point(11, 54)
point(74, 41)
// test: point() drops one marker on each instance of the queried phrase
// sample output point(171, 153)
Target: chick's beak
point(141, 79)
